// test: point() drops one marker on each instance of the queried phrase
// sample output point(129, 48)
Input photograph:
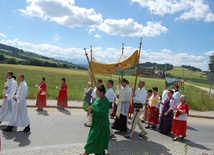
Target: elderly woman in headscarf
point(179, 124)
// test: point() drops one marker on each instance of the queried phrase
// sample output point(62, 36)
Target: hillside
point(13, 55)
point(187, 74)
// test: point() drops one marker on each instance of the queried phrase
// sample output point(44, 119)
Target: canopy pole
point(122, 54)
point(138, 65)
point(92, 74)
point(91, 60)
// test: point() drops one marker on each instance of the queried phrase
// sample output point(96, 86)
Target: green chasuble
point(99, 133)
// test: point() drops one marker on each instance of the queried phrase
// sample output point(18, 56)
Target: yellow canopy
point(116, 67)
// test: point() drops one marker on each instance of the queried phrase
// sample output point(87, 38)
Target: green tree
point(11, 61)
point(212, 59)
point(2, 57)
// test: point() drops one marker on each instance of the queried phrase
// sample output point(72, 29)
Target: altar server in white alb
point(8, 93)
point(19, 116)
point(110, 95)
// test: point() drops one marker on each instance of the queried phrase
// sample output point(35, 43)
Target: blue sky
point(179, 32)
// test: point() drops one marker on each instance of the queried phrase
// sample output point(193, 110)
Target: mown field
point(77, 80)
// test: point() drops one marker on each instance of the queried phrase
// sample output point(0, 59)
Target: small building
point(150, 72)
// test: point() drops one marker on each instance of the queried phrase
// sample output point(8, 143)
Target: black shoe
point(111, 136)
point(127, 136)
point(87, 125)
point(8, 129)
point(153, 126)
point(175, 139)
point(27, 129)
point(183, 137)
point(147, 127)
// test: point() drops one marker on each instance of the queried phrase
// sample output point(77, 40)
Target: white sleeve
point(12, 91)
point(172, 104)
point(141, 98)
point(23, 93)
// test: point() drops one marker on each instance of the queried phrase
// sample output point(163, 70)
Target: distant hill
point(157, 66)
point(180, 72)
point(13, 55)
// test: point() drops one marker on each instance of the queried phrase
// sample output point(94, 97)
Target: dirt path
point(203, 88)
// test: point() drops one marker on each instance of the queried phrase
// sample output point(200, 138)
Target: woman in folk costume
point(166, 118)
point(179, 124)
point(145, 111)
point(98, 137)
point(153, 109)
point(123, 106)
point(41, 95)
point(62, 99)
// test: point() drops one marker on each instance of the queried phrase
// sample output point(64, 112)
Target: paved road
point(62, 132)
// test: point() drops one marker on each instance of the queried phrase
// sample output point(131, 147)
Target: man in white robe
point(19, 116)
point(8, 93)
point(123, 106)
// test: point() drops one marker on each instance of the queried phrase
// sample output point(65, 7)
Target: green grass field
point(194, 78)
point(77, 80)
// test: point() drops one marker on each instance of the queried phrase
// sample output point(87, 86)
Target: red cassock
point(62, 99)
point(179, 126)
point(41, 96)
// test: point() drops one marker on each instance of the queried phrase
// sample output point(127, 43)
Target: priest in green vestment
point(99, 133)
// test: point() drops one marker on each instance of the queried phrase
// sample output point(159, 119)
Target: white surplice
point(19, 116)
point(6, 107)
point(123, 101)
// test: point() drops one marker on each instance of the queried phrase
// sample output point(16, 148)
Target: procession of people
point(166, 113)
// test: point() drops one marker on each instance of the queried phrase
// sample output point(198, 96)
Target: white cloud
point(177, 59)
point(188, 9)
point(56, 38)
point(65, 12)
point(209, 53)
point(110, 55)
point(128, 27)
point(2, 35)
point(97, 36)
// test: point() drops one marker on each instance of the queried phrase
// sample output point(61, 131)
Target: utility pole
point(211, 80)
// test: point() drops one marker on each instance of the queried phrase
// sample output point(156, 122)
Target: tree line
point(191, 68)
point(28, 58)
point(164, 67)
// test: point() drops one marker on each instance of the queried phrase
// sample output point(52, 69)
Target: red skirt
point(62, 103)
point(41, 102)
point(131, 109)
point(179, 127)
point(153, 115)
